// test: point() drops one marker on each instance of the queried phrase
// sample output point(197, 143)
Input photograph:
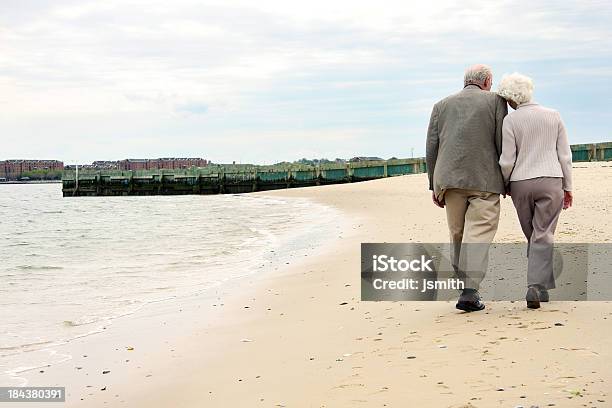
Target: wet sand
point(299, 336)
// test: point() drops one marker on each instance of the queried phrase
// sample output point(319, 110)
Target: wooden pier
point(233, 179)
point(229, 179)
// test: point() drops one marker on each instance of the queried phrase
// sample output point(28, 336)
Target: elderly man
point(464, 142)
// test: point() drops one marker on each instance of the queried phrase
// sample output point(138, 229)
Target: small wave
point(70, 323)
point(15, 373)
point(39, 267)
point(24, 346)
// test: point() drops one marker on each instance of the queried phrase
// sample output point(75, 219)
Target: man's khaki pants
point(472, 217)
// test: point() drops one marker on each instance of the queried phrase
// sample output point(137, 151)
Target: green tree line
point(42, 174)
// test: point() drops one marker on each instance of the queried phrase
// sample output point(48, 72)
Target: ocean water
point(70, 266)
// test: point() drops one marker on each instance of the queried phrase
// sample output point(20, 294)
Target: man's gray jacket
point(464, 142)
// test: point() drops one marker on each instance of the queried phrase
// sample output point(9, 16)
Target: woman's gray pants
point(538, 203)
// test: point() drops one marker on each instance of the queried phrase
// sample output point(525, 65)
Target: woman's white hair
point(516, 87)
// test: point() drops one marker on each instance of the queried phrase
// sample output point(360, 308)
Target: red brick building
point(15, 169)
point(134, 164)
point(162, 163)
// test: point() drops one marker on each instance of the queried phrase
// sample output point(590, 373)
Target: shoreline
point(282, 245)
point(139, 327)
point(299, 336)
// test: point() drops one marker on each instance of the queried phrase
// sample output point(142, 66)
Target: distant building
point(365, 158)
point(105, 164)
point(134, 164)
point(144, 164)
point(162, 163)
point(15, 169)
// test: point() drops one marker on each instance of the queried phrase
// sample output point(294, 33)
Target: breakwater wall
point(592, 152)
point(229, 179)
point(232, 179)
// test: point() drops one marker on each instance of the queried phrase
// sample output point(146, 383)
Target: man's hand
point(568, 199)
point(436, 201)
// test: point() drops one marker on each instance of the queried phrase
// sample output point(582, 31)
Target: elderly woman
point(536, 163)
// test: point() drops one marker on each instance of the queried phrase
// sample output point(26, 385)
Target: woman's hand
point(568, 199)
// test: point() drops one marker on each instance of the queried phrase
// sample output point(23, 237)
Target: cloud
point(222, 67)
point(196, 108)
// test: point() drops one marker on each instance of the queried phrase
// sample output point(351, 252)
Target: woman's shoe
point(533, 298)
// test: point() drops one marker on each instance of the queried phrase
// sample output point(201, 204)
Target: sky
point(267, 81)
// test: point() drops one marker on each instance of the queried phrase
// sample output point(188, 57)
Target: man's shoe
point(533, 298)
point(469, 301)
point(543, 295)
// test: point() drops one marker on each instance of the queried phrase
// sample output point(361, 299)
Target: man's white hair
point(516, 87)
point(477, 75)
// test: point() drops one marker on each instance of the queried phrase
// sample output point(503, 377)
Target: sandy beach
point(299, 336)
point(226, 204)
